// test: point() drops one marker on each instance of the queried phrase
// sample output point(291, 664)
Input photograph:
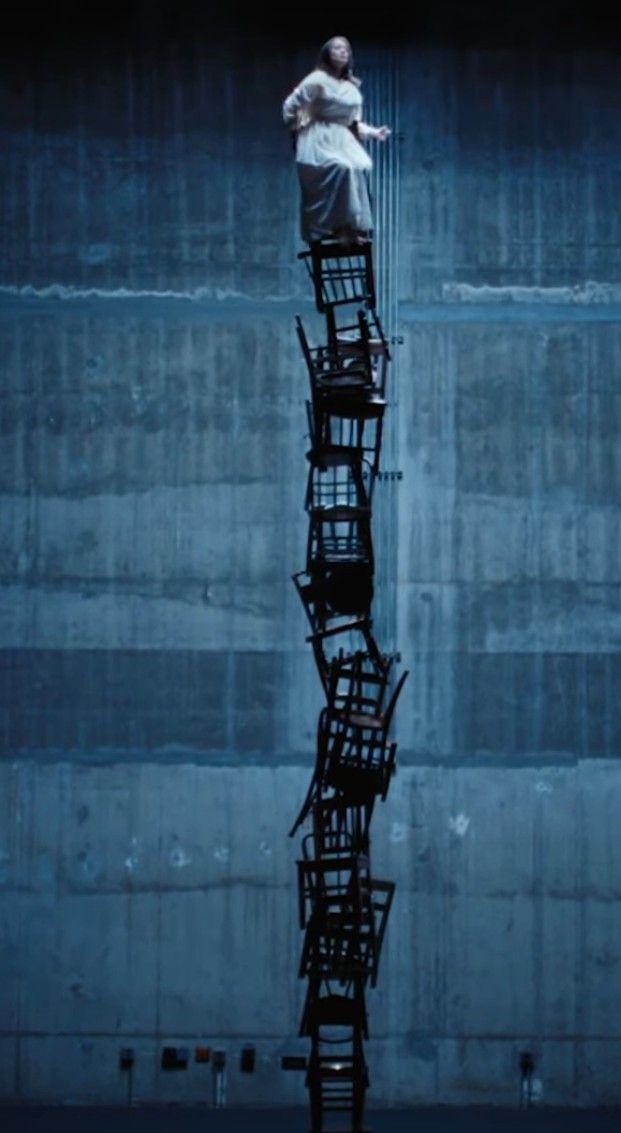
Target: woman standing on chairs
point(325, 113)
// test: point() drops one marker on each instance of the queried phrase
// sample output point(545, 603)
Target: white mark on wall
point(94, 253)
point(459, 824)
point(265, 849)
point(398, 832)
point(588, 293)
point(221, 853)
point(178, 857)
point(68, 291)
point(88, 863)
point(543, 788)
point(131, 861)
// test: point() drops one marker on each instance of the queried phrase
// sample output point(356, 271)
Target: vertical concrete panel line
point(381, 94)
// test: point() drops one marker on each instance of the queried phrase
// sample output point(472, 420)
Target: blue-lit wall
point(159, 701)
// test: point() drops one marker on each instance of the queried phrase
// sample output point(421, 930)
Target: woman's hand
point(382, 133)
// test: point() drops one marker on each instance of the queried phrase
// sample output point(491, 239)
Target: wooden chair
point(339, 536)
point(340, 421)
point(355, 758)
point(337, 600)
point(342, 275)
point(362, 340)
point(338, 824)
point(336, 910)
point(335, 480)
point(358, 685)
point(325, 1007)
point(337, 1079)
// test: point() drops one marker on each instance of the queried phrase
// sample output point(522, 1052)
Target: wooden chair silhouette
point(364, 339)
point(340, 825)
point(342, 275)
point(358, 685)
point(345, 370)
point(336, 910)
point(355, 757)
point(336, 480)
point(337, 599)
point(344, 911)
point(339, 535)
point(326, 1007)
point(337, 1078)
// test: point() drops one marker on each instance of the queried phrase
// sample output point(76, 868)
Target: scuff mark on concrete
point(131, 861)
point(459, 825)
point(398, 832)
point(543, 788)
point(587, 293)
point(178, 858)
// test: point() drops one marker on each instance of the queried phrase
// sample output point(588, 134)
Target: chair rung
point(355, 624)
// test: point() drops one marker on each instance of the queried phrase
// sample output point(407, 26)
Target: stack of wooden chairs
point(343, 908)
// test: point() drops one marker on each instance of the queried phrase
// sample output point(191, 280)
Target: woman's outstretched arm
point(376, 133)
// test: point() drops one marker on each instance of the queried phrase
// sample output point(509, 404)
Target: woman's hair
point(324, 63)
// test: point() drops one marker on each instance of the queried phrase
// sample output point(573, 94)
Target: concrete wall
point(158, 700)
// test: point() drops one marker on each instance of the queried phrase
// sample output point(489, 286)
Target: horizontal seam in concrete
point(510, 313)
point(190, 306)
point(193, 307)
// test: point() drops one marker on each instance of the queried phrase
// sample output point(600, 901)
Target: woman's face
point(339, 52)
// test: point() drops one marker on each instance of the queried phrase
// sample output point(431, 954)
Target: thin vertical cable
point(380, 71)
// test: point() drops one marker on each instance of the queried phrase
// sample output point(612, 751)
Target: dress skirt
point(333, 171)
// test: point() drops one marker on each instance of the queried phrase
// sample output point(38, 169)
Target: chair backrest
point(338, 824)
point(358, 684)
point(341, 274)
point(336, 478)
point(305, 345)
point(382, 894)
point(328, 371)
point(336, 884)
point(363, 333)
point(339, 538)
point(392, 704)
point(335, 1010)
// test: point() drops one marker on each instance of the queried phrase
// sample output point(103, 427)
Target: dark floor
point(187, 1119)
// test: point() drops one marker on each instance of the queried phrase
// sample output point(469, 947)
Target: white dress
point(333, 166)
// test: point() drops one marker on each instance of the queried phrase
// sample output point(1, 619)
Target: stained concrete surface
point(158, 699)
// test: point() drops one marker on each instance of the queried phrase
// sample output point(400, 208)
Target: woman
point(325, 112)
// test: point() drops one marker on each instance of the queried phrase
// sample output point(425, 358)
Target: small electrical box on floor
point(219, 1061)
point(247, 1059)
point(174, 1058)
point(293, 1062)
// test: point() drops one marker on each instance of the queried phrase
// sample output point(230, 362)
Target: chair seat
point(355, 404)
point(339, 513)
point(361, 719)
point(353, 346)
point(344, 381)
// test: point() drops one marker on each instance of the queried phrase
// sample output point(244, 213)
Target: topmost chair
point(341, 274)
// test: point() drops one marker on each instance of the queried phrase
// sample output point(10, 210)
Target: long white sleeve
point(365, 130)
point(296, 106)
